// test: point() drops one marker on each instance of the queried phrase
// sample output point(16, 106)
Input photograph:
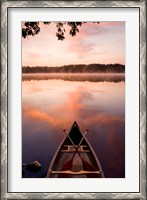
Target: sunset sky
point(102, 43)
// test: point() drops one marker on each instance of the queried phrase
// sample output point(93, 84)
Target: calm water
point(52, 102)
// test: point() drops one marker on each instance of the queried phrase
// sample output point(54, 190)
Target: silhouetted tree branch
point(33, 28)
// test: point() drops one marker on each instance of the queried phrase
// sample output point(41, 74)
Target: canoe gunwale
point(54, 157)
point(96, 158)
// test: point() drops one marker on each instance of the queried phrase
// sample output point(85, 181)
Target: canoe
point(75, 158)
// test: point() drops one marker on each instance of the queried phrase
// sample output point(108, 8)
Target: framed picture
point(73, 88)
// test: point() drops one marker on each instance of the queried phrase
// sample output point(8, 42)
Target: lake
point(52, 102)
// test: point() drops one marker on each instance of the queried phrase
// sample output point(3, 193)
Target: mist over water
point(91, 77)
point(52, 102)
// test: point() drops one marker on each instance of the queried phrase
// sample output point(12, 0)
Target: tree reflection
point(76, 77)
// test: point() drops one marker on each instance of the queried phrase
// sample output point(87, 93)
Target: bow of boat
point(84, 164)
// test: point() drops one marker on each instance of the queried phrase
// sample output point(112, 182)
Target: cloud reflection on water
point(96, 106)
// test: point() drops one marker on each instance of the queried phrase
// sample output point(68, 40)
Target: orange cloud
point(72, 109)
point(41, 116)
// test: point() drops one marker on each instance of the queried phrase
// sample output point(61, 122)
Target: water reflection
point(51, 105)
point(75, 77)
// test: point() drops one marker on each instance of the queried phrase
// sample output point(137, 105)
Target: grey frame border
point(4, 99)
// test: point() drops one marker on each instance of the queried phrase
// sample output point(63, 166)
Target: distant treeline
point(81, 68)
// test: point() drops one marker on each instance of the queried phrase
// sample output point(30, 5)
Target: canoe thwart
point(72, 151)
point(71, 148)
point(75, 173)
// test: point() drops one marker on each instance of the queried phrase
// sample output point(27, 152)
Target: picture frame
point(5, 108)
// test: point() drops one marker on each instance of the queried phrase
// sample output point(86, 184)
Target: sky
point(102, 43)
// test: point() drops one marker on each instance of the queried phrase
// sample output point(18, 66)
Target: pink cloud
point(93, 43)
point(85, 45)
